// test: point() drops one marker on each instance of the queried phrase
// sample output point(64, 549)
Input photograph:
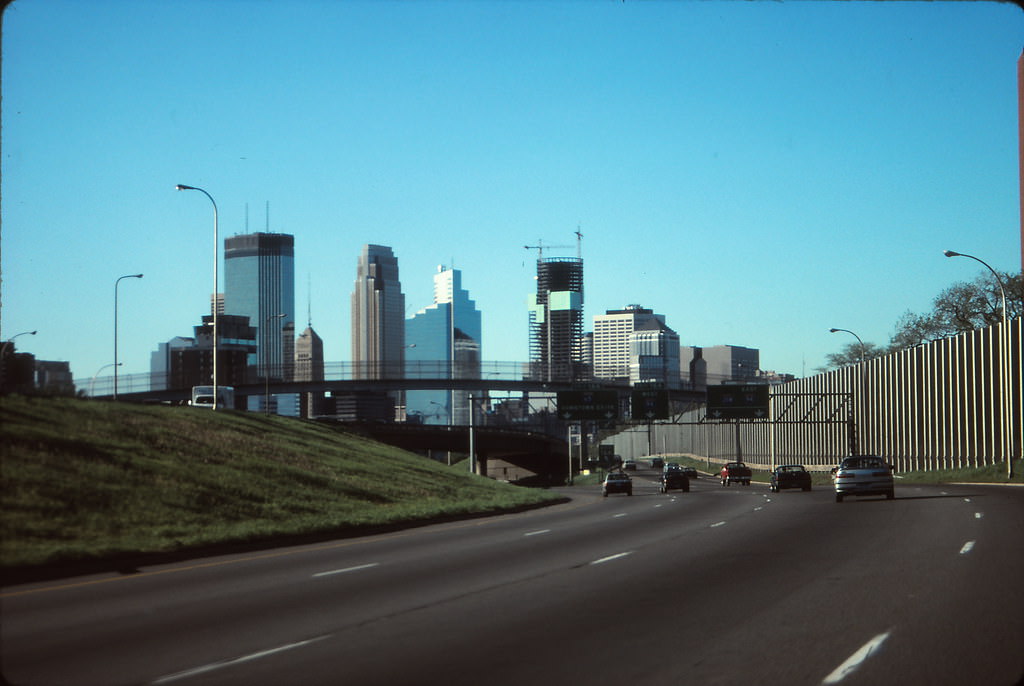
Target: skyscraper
point(309, 366)
point(654, 355)
point(443, 340)
point(378, 315)
point(556, 320)
point(612, 331)
point(259, 283)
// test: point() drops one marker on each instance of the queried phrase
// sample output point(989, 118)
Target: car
point(863, 475)
point(657, 463)
point(735, 473)
point(789, 476)
point(690, 472)
point(617, 482)
point(674, 478)
point(630, 465)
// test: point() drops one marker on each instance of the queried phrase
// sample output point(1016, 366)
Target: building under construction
point(556, 321)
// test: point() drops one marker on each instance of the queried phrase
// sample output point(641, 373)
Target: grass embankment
point(86, 480)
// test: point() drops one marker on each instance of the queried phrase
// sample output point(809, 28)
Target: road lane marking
point(856, 660)
point(968, 547)
point(236, 661)
point(347, 570)
point(537, 533)
point(978, 515)
point(717, 524)
point(610, 558)
point(621, 514)
point(758, 509)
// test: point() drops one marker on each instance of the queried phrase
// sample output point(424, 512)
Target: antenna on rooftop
point(268, 216)
point(309, 301)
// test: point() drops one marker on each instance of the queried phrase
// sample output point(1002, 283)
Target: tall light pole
point(3, 350)
point(10, 341)
point(116, 284)
point(183, 187)
point(1004, 373)
point(266, 363)
point(860, 382)
point(92, 383)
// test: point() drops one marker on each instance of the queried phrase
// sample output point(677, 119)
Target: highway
point(716, 586)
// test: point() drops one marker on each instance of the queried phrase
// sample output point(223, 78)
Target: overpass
point(542, 454)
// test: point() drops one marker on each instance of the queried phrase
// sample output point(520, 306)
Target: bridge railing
point(103, 386)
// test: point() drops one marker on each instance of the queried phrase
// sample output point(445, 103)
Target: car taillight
point(844, 476)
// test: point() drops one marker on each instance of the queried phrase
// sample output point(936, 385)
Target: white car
point(863, 475)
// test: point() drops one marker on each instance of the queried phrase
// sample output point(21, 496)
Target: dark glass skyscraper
point(259, 282)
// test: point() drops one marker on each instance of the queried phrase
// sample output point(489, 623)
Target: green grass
point(88, 480)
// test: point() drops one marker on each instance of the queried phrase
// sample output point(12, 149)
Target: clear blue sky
point(758, 172)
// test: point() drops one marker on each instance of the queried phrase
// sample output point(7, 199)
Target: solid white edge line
point(856, 660)
point(967, 547)
point(346, 570)
point(610, 558)
point(236, 661)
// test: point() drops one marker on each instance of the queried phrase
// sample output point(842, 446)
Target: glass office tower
point(443, 341)
point(259, 282)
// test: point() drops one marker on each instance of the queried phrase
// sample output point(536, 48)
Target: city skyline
point(758, 172)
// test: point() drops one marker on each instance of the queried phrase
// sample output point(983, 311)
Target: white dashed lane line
point(617, 556)
point(538, 533)
point(967, 547)
point(346, 570)
point(717, 524)
point(856, 660)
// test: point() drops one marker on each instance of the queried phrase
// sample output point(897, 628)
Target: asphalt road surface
point(716, 586)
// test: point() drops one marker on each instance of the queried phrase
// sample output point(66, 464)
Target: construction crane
point(540, 246)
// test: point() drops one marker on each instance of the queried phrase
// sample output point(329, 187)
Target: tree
point(851, 354)
point(960, 308)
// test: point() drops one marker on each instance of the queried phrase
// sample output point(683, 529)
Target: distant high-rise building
point(556, 320)
point(611, 346)
point(654, 355)
point(160, 360)
point(378, 315)
point(193, 365)
point(443, 341)
point(731, 363)
point(309, 366)
point(259, 283)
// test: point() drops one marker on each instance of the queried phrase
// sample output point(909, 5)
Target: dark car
point(690, 472)
point(674, 478)
point(617, 482)
point(789, 476)
point(657, 463)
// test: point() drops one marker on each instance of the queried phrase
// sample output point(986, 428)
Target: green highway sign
point(649, 403)
point(738, 402)
point(594, 405)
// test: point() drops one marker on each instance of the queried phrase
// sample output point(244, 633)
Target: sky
point(757, 172)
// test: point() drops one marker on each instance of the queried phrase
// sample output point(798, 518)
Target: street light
point(266, 363)
point(1003, 363)
point(116, 284)
point(10, 341)
point(92, 383)
point(183, 187)
point(860, 379)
